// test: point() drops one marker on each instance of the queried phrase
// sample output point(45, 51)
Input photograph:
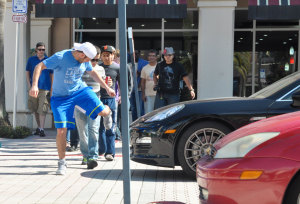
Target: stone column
point(215, 48)
point(40, 31)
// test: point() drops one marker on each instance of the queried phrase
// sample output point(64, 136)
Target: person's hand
point(111, 92)
point(34, 91)
point(144, 98)
point(119, 100)
point(193, 94)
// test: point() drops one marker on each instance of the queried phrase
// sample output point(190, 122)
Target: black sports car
point(179, 134)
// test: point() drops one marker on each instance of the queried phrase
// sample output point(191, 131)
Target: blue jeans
point(133, 105)
point(107, 137)
point(88, 130)
point(164, 99)
point(149, 104)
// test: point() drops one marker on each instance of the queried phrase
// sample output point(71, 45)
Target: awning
point(109, 8)
point(274, 9)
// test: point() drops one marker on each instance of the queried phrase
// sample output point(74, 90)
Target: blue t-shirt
point(44, 80)
point(67, 73)
point(141, 64)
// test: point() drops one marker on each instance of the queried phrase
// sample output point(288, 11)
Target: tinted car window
point(273, 88)
point(288, 96)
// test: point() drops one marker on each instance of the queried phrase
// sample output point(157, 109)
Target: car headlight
point(240, 147)
point(165, 113)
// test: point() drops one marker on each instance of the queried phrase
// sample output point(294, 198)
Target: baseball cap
point(169, 51)
point(108, 48)
point(87, 48)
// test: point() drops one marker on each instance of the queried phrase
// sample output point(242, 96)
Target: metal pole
point(134, 71)
point(253, 55)
point(16, 76)
point(124, 104)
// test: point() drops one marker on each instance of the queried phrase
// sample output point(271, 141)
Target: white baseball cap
point(87, 48)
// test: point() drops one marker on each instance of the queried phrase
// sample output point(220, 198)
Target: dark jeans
point(133, 105)
point(164, 99)
point(73, 137)
point(107, 137)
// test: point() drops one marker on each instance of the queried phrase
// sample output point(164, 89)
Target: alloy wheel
point(201, 143)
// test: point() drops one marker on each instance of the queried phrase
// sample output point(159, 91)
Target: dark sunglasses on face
point(95, 60)
point(41, 50)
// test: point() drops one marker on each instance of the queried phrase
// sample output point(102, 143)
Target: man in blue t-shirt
point(39, 106)
point(68, 91)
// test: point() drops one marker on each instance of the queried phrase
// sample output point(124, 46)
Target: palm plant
point(242, 64)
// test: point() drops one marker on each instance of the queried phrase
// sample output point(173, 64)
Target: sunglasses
point(41, 50)
point(95, 60)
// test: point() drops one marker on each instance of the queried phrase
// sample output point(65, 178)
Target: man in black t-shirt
point(167, 76)
point(112, 70)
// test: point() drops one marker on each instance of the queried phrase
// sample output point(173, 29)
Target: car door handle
point(257, 118)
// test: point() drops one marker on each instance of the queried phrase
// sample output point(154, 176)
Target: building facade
point(224, 52)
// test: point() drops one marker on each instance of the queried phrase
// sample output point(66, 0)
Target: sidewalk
point(27, 175)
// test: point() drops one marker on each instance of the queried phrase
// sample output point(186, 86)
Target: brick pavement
point(27, 175)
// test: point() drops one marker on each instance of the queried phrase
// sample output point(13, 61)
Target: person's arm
point(143, 85)
point(190, 87)
point(34, 90)
point(156, 75)
point(28, 80)
point(51, 78)
point(99, 79)
point(105, 112)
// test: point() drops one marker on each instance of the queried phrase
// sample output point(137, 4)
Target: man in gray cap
point(68, 91)
point(167, 76)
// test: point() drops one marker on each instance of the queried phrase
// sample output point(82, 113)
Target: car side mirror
point(296, 100)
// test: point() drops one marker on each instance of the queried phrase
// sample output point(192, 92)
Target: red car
point(258, 163)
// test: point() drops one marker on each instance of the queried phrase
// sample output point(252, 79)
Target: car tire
point(292, 195)
point(197, 139)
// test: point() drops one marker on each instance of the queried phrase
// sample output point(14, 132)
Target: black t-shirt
point(169, 76)
point(113, 71)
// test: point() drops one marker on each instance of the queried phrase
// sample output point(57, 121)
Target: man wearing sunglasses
point(68, 91)
point(39, 106)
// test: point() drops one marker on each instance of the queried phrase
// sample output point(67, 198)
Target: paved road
point(27, 175)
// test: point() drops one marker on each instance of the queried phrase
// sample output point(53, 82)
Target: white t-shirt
point(147, 74)
point(90, 81)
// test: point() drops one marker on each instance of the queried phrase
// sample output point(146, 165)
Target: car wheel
point(292, 195)
point(197, 141)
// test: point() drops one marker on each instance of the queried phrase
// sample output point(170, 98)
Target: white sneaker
point(62, 167)
point(109, 157)
point(107, 121)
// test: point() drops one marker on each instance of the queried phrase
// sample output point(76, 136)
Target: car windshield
point(276, 86)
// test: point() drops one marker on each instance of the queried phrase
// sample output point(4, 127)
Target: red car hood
point(281, 123)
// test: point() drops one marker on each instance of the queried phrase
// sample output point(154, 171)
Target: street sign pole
point(134, 72)
point(124, 104)
point(18, 6)
point(16, 75)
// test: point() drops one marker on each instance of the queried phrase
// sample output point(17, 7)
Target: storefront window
point(242, 63)
point(144, 23)
point(276, 56)
point(95, 23)
point(97, 38)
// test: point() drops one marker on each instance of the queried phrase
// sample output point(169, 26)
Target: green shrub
point(18, 132)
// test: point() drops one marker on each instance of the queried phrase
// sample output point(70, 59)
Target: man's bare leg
point(37, 119)
point(61, 142)
point(42, 120)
